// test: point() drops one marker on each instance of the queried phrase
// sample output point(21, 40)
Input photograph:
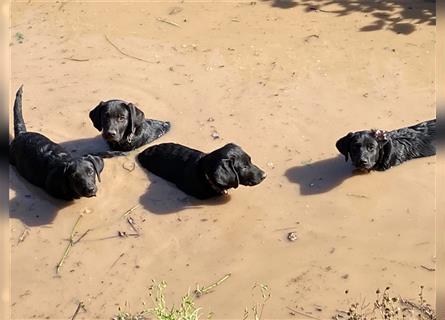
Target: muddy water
point(285, 84)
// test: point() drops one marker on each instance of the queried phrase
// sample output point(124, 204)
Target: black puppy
point(49, 166)
point(199, 174)
point(380, 150)
point(124, 126)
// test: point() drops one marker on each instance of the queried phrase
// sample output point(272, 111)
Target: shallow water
point(285, 84)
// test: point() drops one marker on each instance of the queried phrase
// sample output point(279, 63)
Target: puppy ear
point(98, 164)
point(226, 175)
point(136, 119)
point(343, 145)
point(96, 116)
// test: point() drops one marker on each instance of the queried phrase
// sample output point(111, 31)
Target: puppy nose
point(111, 133)
point(363, 162)
point(92, 189)
point(263, 175)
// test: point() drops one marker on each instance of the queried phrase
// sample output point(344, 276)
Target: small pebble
point(292, 236)
point(129, 165)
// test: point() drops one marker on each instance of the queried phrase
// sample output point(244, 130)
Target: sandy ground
point(284, 80)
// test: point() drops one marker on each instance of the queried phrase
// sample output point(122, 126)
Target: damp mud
point(282, 79)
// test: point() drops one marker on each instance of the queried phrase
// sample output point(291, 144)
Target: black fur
point(199, 174)
point(380, 150)
point(49, 166)
point(124, 126)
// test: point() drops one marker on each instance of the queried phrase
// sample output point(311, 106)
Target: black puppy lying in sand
point(49, 166)
point(124, 126)
point(380, 150)
point(199, 174)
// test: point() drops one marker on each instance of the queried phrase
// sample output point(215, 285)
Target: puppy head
point(117, 119)
point(230, 166)
point(81, 174)
point(364, 147)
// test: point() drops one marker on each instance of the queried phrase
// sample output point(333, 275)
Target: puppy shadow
point(321, 176)
point(163, 197)
point(31, 204)
point(85, 146)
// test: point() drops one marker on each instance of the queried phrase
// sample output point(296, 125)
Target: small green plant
point(389, 307)
point(257, 309)
point(19, 37)
point(122, 315)
point(160, 311)
point(186, 310)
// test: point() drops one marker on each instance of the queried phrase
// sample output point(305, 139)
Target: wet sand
point(284, 82)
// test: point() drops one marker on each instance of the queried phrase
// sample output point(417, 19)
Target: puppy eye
point(370, 148)
point(121, 118)
point(90, 172)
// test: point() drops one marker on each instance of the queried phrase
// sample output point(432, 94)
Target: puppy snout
point(91, 190)
point(111, 134)
point(363, 162)
point(263, 175)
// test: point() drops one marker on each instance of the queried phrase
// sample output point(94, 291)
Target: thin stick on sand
point(428, 268)
point(23, 236)
point(118, 258)
point(132, 224)
point(130, 211)
point(80, 305)
point(76, 59)
point(169, 22)
point(80, 238)
point(126, 54)
point(71, 243)
point(303, 314)
point(201, 291)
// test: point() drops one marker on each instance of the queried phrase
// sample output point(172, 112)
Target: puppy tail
point(19, 123)
point(431, 125)
point(158, 128)
point(165, 126)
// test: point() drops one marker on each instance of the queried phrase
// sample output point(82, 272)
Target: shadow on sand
point(400, 16)
point(31, 204)
point(321, 176)
point(163, 197)
point(85, 146)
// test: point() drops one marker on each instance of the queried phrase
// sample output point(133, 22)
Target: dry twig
point(201, 291)
point(79, 306)
point(130, 211)
point(126, 54)
point(302, 313)
point(23, 236)
point(169, 22)
point(71, 243)
point(78, 60)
